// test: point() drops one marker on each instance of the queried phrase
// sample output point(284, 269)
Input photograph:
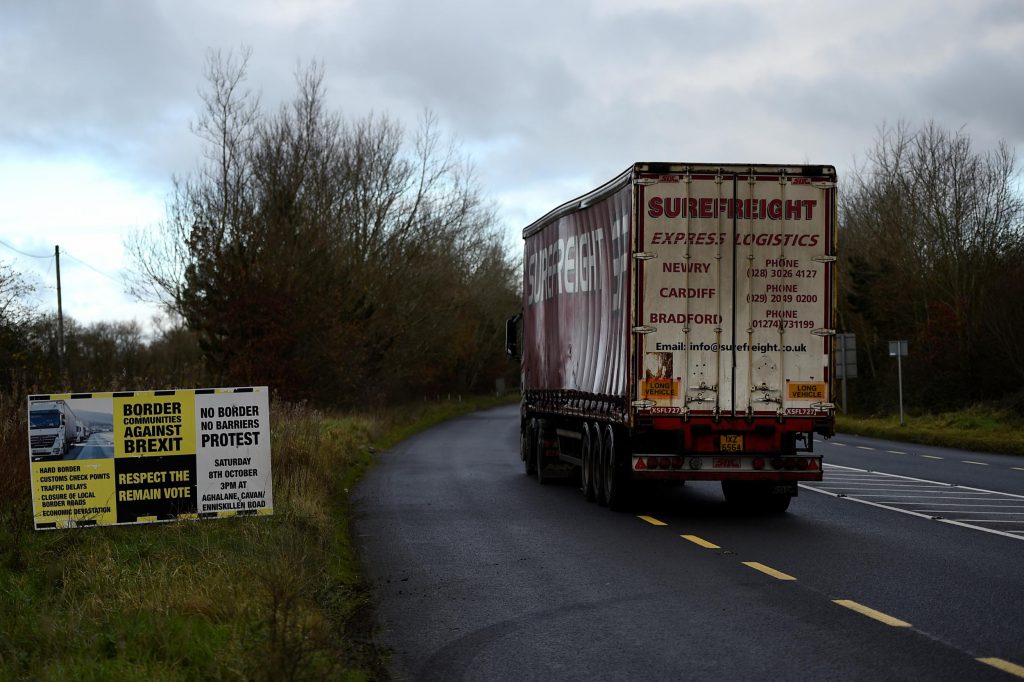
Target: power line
point(67, 255)
point(97, 271)
point(29, 255)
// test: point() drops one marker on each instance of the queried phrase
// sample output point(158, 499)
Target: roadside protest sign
point(102, 459)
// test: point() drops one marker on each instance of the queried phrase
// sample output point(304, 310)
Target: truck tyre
point(754, 496)
point(528, 446)
point(538, 450)
point(587, 470)
point(600, 465)
point(776, 504)
point(615, 483)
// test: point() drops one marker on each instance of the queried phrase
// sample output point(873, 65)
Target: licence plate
point(731, 443)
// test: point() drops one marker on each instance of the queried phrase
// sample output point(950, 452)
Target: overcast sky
point(549, 98)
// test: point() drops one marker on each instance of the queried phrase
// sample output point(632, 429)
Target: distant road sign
point(846, 356)
point(898, 348)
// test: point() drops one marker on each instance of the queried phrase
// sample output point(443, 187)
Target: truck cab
point(48, 430)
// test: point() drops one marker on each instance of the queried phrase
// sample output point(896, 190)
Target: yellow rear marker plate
point(768, 570)
point(653, 521)
point(1005, 666)
point(700, 541)
point(871, 613)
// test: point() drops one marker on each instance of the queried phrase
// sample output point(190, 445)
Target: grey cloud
point(982, 90)
point(513, 79)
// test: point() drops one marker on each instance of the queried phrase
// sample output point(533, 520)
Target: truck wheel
point(615, 484)
point(587, 470)
point(776, 504)
point(538, 450)
point(600, 465)
point(753, 496)
point(527, 447)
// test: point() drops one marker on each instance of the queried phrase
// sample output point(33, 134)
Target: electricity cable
point(19, 251)
point(97, 271)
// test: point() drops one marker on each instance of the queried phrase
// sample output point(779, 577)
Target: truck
point(53, 428)
point(678, 325)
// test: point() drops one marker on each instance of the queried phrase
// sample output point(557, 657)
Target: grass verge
point(270, 598)
point(979, 428)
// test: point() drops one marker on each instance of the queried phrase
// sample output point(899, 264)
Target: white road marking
point(954, 495)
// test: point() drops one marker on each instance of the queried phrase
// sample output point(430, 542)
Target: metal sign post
point(898, 349)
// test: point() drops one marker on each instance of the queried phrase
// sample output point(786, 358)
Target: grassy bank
point(275, 598)
point(984, 429)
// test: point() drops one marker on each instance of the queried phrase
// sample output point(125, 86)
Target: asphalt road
point(99, 446)
point(480, 573)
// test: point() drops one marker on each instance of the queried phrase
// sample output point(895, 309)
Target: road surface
point(100, 445)
point(480, 573)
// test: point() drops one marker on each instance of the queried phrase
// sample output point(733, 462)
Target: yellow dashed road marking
point(768, 570)
point(653, 521)
point(1005, 666)
point(700, 541)
point(871, 613)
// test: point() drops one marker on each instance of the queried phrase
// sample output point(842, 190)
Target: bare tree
point(930, 227)
point(15, 289)
point(320, 255)
point(16, 315)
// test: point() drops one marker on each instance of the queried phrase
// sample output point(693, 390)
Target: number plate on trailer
point(730, 443)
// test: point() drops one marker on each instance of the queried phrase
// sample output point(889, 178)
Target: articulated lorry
point(677, 324)
point(53, 428)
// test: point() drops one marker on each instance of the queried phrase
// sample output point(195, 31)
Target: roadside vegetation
point(931, 251)
point(268, 598)
point(978, 428)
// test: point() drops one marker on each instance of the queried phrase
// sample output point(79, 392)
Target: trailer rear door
point(734, 269)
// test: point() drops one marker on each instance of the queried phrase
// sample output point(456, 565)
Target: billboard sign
point(103, 459)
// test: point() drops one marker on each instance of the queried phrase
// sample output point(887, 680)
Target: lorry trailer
point(678, 324)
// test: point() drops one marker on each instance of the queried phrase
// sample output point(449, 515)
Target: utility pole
point(60, 316)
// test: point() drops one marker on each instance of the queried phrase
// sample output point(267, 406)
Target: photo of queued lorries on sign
point(71, 429)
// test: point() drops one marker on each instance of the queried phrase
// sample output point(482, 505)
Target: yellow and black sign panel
point(74, 493)
point(148, 424)
point(807, 390)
